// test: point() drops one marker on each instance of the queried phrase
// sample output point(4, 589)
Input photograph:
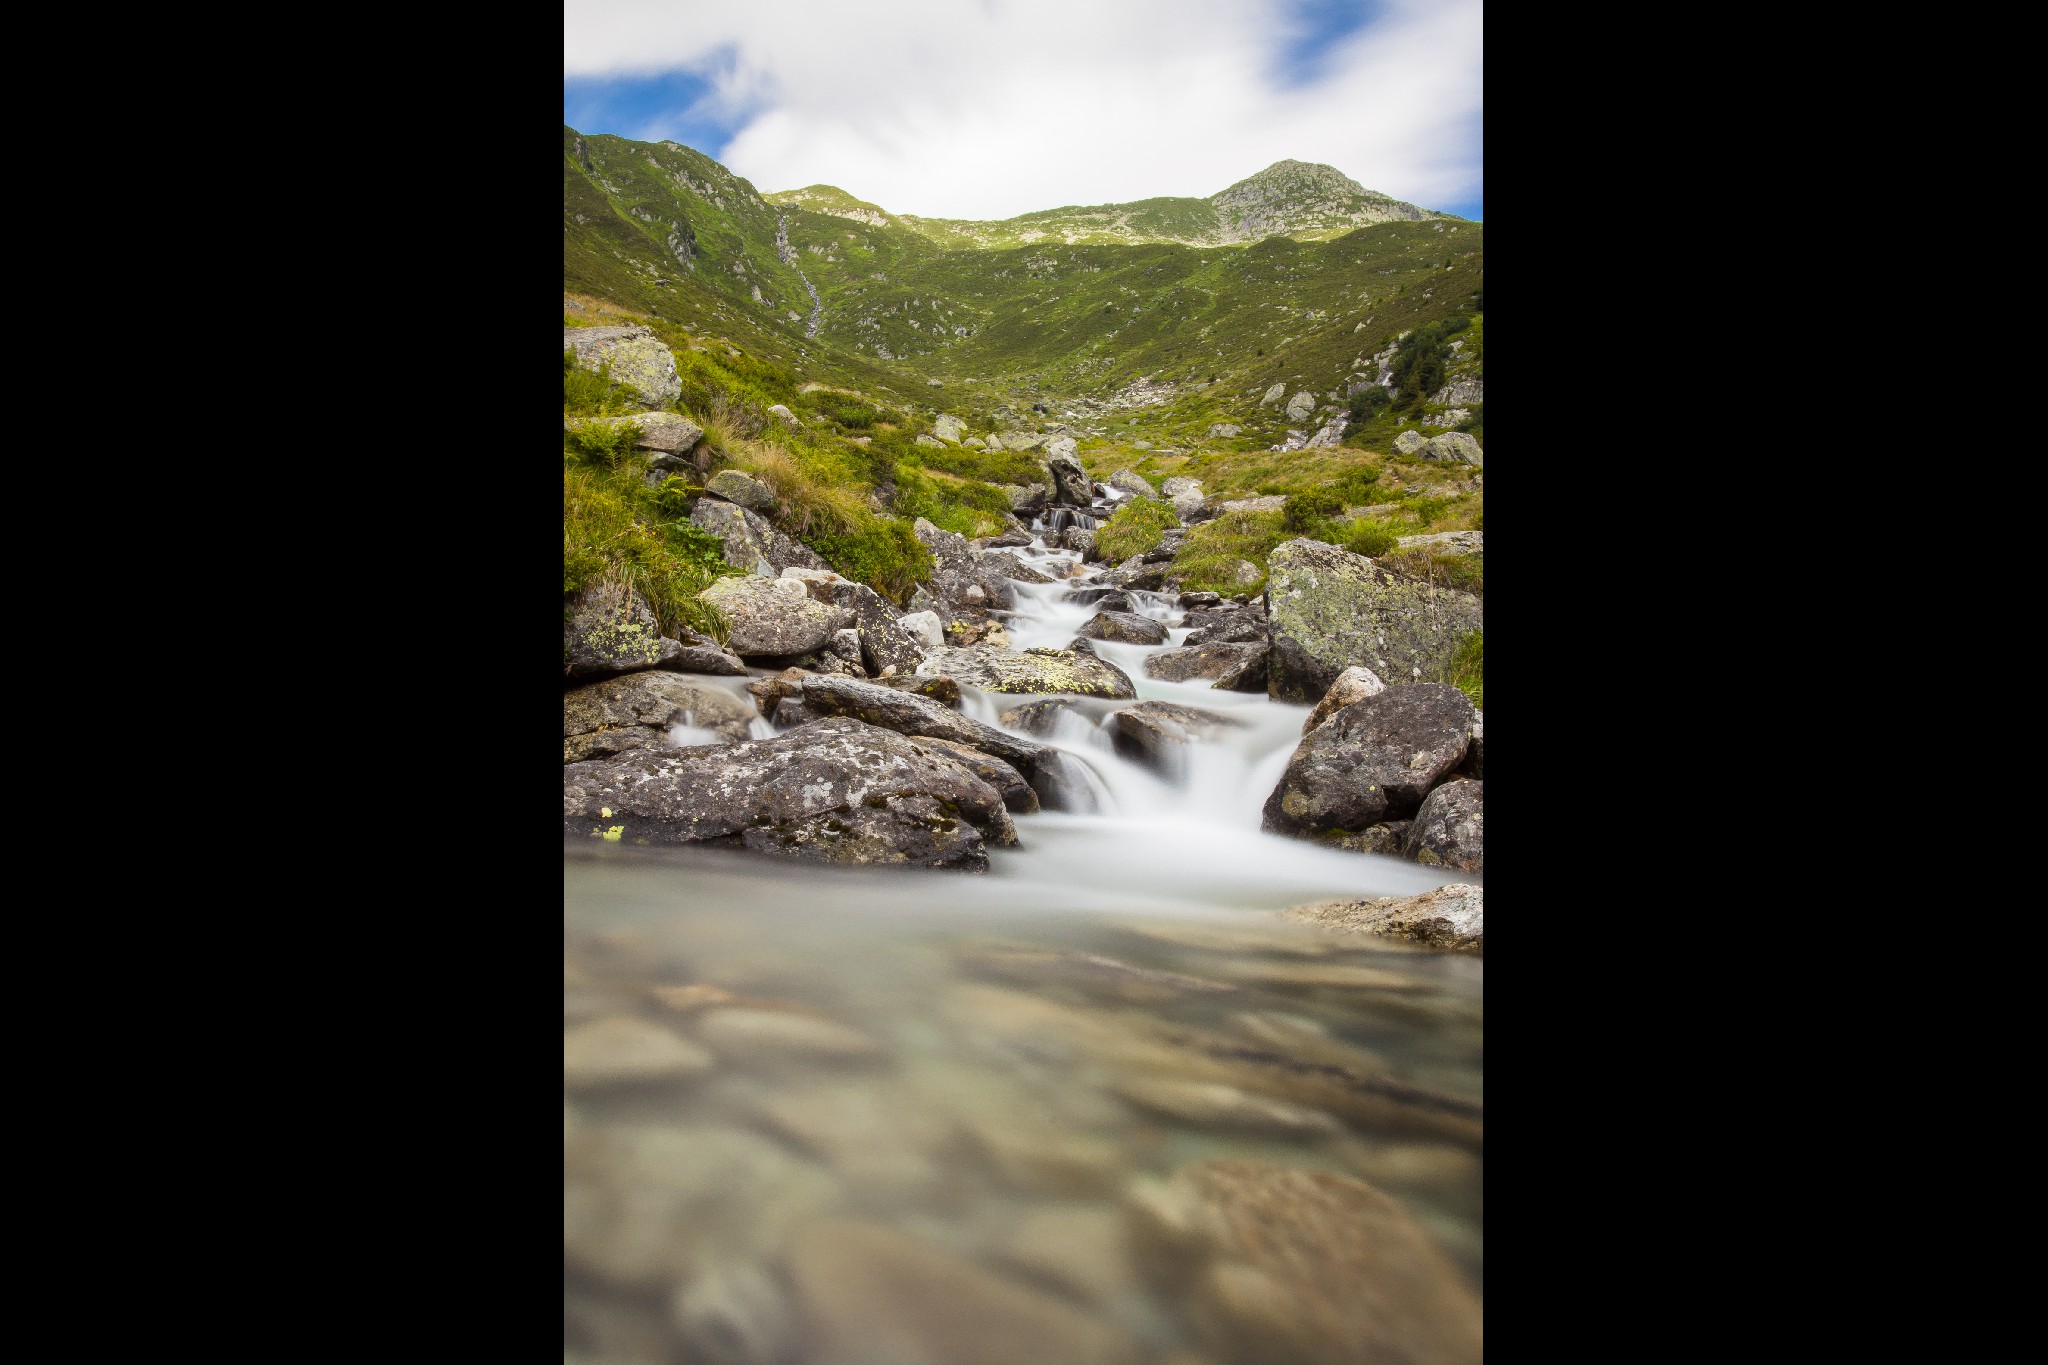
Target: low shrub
point(601, 444)
point(1208, 561)
point(613, 531)
point(1468, 669)
point(1369, 538)
point(1136, 528)
point(1305, 511)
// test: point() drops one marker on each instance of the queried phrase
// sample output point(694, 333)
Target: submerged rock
point(627, 1051)
point(1157, 733)
point(1308, 1267)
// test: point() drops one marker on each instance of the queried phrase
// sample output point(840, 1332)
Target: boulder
point(1134, 484)
point(1018, 798)
point(666, 433)
point(1328, 609)
point(962, 582)
point(1011, 566)
point(1353, 684)
point(610, 629)
point(1102, 599)
point(1125, 627)
point(1191, 506)
point(1081, 540)
point(1271, 502)
point(782, 411)
point(1450, 828)
point(948, 427)
point(835, 790)
point(774, 617)
point(1157, 733)
point(1408, 442)
point(1460, 391)
point(1330, 433)
point(1456, 446)
point(1449, 917)
point(924, 628)
point(1069, 479)
point(1018, 440)
point(1447, 543)
point(1178, 484)
point(1374, 760)
point(1230, 667)
point(1225, 625)
point(638, 360)
point(1222, 431)
point(637, 711)
point(1273, 395)
point(907, 713)
point(744, 489)
point(1300, 406)
point(1032, 670)
point(925, 440)
point(1276, 1263)
point(751, 543)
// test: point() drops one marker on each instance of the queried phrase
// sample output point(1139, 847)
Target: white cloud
point(949, 108)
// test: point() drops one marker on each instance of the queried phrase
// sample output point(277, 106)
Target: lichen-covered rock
point(1229, 667)
point(1032, 670)
point(664, 432)
point(744, 489)
point(1451, 917)
point(1137, 485)
point(1226, 625)
point(925, 628)
point(1328, 609)
point(947, 427)
point(1018, 797)
point(1071, 482)
point(836, 790)
point(1157, 733)
point(1273, 395)
point(1300, 406)
point(1027, 502)
point(962, 583)
point(1450, 828)
point(1221, 431)
point(638, 710)
point(1353, 684)
point(1081, 540)
point(1408, 442)
point(1274, 1263)
point(751, 543)
point(774, 617)
point(610, 629)
point(1374, 760)
point(1125, 627)
point(638, 360)
point(1457, 446)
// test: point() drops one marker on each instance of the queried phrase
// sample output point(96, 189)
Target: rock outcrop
point(1328, 609)
point(1032, 670)
point(1375, 760)
point(637, 359)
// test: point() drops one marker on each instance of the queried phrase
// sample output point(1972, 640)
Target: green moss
point(1138, 527)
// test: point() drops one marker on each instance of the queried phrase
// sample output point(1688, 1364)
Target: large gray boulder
point(1301, 405)
point(638, 710)
point(1456, 446)
point(1273, 394)
point(1353, 684)
point(907, 713)
point(1124, 627)
point(1032, 670)
point(835, 790)
point(1228, 667)
point(1328, 609)
point(1375, 760)
point(963, 584)
point(744, 489)
point(948, 427)
point(751, 543)
point(1133, 483)
point(1408, 442)
point(638, 360)
point(1225, 625)
point(1450, 828)
point(884, 641)
point(774, 618)
point(1071, 481)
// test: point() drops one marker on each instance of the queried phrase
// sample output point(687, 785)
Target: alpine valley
point(1023, 774)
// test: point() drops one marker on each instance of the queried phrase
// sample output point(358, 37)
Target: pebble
point(621, 1050)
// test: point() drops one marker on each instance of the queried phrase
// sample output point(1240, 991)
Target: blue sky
point(991, 108)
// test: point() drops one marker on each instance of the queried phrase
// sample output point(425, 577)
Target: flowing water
point(1099, 1104)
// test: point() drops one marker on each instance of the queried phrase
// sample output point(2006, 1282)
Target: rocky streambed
point(1182, 1072)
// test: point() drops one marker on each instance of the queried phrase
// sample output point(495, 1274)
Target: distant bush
point(1369, 538)
point(1360, 487)
point(1304, 511)
point(882, 552)
point(1368, 401)
point(1136, 528)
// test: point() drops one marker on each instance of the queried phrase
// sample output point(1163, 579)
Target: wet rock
point(1273, 1263)
point(1386, 838)
point(1102, 599)
point(1010, 566)
point(1083, 1250)
point(1081, 540)
point(1018, 797)
point(774, 617)
point(1069, 479)
point(938, 688)
point(1125, 627)
point(834, 790)
point(1329, 609)
point(925, 629)
point(735, 1314)
point(637, 711)
point(1374, 759)
point(1191, 601)
point(643, 1207)
point(961, 582)
point(907, 713)
point(1209, 1105)
point(871, 1293)
point(1027, 1153)
point(770, 1036)
point(751, 543)
point(1306, 1040)
point(1353, 684)
point(1225, 626)
point(1450, 828)
point(881, 1137)
point(1032, 670)
point(1038, 717)
point(1089, 973)
point(1233, 667)
point(626, 1051)
point(1448, 917)
point(1157, 733)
